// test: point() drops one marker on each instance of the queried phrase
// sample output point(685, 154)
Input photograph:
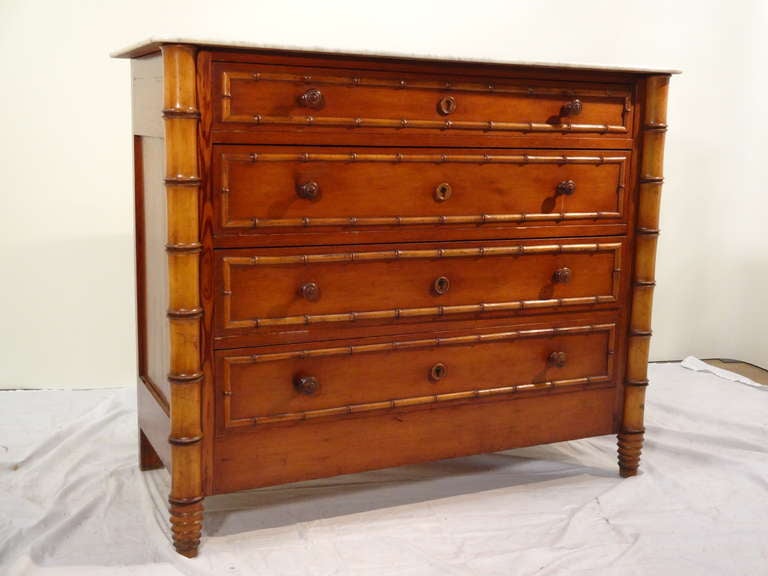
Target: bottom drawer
point(268, 455)
point(258, 387)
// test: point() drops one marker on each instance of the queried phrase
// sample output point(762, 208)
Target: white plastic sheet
point(73, 502)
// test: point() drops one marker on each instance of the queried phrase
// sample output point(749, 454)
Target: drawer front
point(325, 98)
point(263, 387)
point(317, 448)
point(312, 188)
point(268, 288)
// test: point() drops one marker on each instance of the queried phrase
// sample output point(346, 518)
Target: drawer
point(258, 456)
point(315, 188)
point(312, 99)
point(262, 288)
point(262, 386)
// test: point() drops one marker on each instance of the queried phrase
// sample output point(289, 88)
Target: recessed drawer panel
point(313, 188)
point(263, 386)
point(326, 98)
point(384, 283)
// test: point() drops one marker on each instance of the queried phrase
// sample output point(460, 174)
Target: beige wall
point(66, 269)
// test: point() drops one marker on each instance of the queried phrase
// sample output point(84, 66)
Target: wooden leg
point(630, 446)
point(148, 458)
point(186, 525)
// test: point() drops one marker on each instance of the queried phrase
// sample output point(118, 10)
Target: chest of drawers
point(347, 263)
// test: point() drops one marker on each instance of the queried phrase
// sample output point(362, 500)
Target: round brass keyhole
point(446, 105)
point(312, 98)
point(306, 384)
point(441, 285)
point(558, 359)
point(438, 372)
point(310, 291)
point(565, 188)
point(308, 190)
point(443, 191)
point(562, 275)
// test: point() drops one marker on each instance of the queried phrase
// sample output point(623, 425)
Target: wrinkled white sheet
point(72, 500)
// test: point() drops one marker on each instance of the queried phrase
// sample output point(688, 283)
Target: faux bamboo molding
point(444, 158)
point(408, 254)
point(603, 379)
point(402, 84)
point(396, 313)
point(630, 439)
point(182, 184)
point(402, 123)
point(228, 159)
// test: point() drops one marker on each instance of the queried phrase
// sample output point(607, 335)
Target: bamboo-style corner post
point(646, 235)
point(182, 185)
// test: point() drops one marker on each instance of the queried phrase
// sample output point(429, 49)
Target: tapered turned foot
point(630, 446)
point(186, 526)
point(148, 458)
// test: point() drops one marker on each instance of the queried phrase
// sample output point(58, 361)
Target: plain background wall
point(66, 218)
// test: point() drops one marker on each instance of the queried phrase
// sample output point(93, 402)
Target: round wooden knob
point(438, 372)
point(446, 105)
point(571, 108)
point(306, 384)
point(310, 291)
point(308, 190)
point(558, 359)
point(441, 285)
point(312, 98)
point(565, 188)
point(443, 191)
point(562, 275)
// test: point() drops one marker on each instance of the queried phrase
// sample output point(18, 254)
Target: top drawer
point(322, 99)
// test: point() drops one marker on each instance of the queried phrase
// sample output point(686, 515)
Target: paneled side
point(147, 77)
point(151, 268)
point(155, 293)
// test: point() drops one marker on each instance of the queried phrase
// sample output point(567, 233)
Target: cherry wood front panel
point(261, 386)
point(275, 454)
point(341, 285)
point(309, 188)
point(318, 99)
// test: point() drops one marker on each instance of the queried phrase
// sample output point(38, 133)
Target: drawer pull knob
point(558, 359)
point(443, 191)
point(562, 275)
point(446, 105)
point(441, 285)
point(565, 188)
point(308, 190)
point(310, 291)
point(306, 384)
point(312, 98)
point(438, 372)
point(571, 108)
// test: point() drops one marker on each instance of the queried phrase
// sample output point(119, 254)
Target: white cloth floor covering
point(72, 500)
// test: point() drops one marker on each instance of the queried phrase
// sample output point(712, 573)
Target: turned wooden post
point(182, 185)
point(646, 234)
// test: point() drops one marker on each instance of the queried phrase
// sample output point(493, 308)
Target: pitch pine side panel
point(151, 265)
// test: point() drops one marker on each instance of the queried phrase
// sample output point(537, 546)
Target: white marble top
point(153, 45)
